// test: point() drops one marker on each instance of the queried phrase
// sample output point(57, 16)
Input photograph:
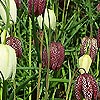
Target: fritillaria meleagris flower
point(39, 7)
point(98, 7)
point(52, 18)
point(15, 43)
point(85, 63)
point(12, 11)
point(56, 56)
point(8, 61)
point(18, 3)
point(86, 85)
point(89, 46)
point(98, 38)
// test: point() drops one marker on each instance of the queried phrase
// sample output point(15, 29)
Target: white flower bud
point(46, 19)
point(85, 62)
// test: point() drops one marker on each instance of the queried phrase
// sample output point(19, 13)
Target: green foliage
point(75, 20)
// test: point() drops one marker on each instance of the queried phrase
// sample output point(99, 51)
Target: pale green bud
point(85, 63)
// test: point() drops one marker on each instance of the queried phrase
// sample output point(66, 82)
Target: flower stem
point(1, 90)
point(48, 40)
point(4, 94)
point(91, 30)
point(47, 75)
point(63, 15)
point(14, 84)
point(30, 73)
point(66, 9)
point(39, 82)
point(40, 68)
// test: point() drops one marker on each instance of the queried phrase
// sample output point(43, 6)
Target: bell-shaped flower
point(89, 45)
point(8, 62)
point(39, 7)
point(57, 55)
point(85, 63)
point(86, 87)
point(49, 17)
point(15, 43)
point(12, 11)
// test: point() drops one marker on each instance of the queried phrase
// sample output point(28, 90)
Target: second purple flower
point(39, 7)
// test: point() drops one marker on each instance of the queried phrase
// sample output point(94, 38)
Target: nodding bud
point(89, 46)
point(56, 56)
point(85, 62)
point(39, 7)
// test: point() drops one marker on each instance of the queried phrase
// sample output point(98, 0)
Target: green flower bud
point(85, 62)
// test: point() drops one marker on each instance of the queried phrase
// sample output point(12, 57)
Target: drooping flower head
point(15, 43)
point(39, 7)
point(8, 61)
point(89, 46)
point(56, 56)
point(86, 85)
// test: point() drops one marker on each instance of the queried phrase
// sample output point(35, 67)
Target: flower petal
point(13, 11)
point(12, 61)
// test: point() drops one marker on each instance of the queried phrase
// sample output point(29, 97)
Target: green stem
point(3, 36)
point(7, 14)
point(48, 52)
point(4, 94)
point(63, 15)
point(67, 10)
point(14, 84)
point(1, 91)
point(47, 75)
point(97, 65)
point(39, 82)
point(40, 68)
point(91, 30)
point(30, 73)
